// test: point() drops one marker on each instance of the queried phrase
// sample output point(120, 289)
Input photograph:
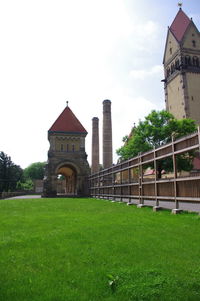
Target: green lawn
point(91, 250)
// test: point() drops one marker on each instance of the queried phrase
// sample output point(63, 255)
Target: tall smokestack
point(95, 145)
point(107, 134)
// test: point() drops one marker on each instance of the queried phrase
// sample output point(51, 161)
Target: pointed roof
point(180, 25)
point(67, 123)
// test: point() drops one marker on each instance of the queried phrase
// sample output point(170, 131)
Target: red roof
point(68, 123)
point(180, 25)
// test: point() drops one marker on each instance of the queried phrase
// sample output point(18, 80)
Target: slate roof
point(180, 25)
point(67, 123)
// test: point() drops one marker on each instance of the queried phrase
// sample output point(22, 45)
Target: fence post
point(141, 200)
point(157, 207)
point(121, 198)
point(199, 138)
point(129, 182)
point(129, 186)
point(98, 185)
point(176, 210)
point(113, 187)
point(102, 189)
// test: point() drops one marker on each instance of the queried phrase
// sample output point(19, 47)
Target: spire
point(180, 24)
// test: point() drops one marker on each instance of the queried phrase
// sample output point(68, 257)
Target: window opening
point(193, 43)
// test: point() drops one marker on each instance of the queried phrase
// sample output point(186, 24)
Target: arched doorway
point(66, 180)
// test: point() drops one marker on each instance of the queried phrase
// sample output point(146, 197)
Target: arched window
point(187, 60)
point(195, 61)
point(168, 71)
point(177, 64)
point(172, 68)
point(193, 43)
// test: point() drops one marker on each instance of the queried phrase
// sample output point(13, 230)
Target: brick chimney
point(95, 145)
point(107, 135)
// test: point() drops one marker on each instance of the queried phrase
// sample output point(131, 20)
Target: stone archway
point(68, 185)
point(67, 157)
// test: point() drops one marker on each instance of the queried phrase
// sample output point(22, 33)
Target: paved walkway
point(24, 197)
point(191, 207)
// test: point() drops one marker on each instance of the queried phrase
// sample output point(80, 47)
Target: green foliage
point(10, 173)
point(156, 130)
point(35, 171)
point(27, 185)
point(125, 139)
point(88, 249)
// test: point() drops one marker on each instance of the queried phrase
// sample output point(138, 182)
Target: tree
point(10, 173)
point(25, 185)
point(157, 129)
point(35, 171)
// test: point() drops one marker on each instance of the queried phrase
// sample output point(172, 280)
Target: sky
point(80, 51)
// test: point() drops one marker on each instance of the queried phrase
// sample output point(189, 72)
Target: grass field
point(89, 250)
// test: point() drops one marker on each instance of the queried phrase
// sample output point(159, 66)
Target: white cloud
point(144, 36)
point(148, 29)
point(142, 74)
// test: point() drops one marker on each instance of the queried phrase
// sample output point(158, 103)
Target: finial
point(180, 4)
point(67, 102)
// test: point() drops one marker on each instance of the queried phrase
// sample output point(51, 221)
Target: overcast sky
point(83, 51)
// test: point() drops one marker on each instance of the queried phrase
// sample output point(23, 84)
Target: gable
point(191, 38)
point(171, 47)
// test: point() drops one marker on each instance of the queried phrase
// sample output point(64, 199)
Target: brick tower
point(182, 68)
point(107, 134)
point(67, 157)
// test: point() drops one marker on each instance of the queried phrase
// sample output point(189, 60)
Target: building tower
point(182, 68)
point(67, 157)
point(95, 145)
point(107, 134)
